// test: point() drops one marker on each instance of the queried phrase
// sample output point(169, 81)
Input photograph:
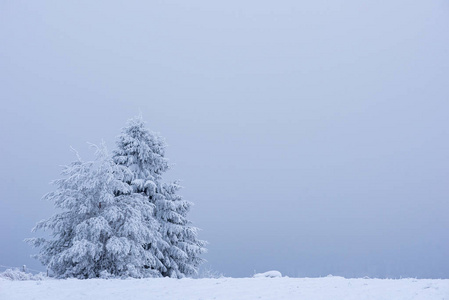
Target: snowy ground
point(328, 288)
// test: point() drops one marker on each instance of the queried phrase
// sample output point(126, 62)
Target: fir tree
point(117, 216)
point(102, 226)
point(143, 153)
point(182, 257)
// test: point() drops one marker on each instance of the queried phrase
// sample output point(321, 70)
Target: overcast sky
point(312, 136)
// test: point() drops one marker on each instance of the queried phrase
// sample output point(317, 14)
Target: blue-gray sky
point(311, 135)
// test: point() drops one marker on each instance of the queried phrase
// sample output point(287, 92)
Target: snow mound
point(269, 274)
point(16, 274)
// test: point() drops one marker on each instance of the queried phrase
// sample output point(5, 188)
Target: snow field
point(327, 288)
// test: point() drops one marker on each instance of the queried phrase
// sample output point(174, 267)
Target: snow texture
point(269, 274)
point(335, 288)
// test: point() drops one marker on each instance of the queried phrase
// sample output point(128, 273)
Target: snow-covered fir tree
point(143, 153)
point(102, 224)
point(182, 257)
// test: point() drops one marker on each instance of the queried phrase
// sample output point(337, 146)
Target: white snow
point(328, 288)
point(269, 274)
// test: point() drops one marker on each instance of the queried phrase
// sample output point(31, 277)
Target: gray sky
point(311, 136)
